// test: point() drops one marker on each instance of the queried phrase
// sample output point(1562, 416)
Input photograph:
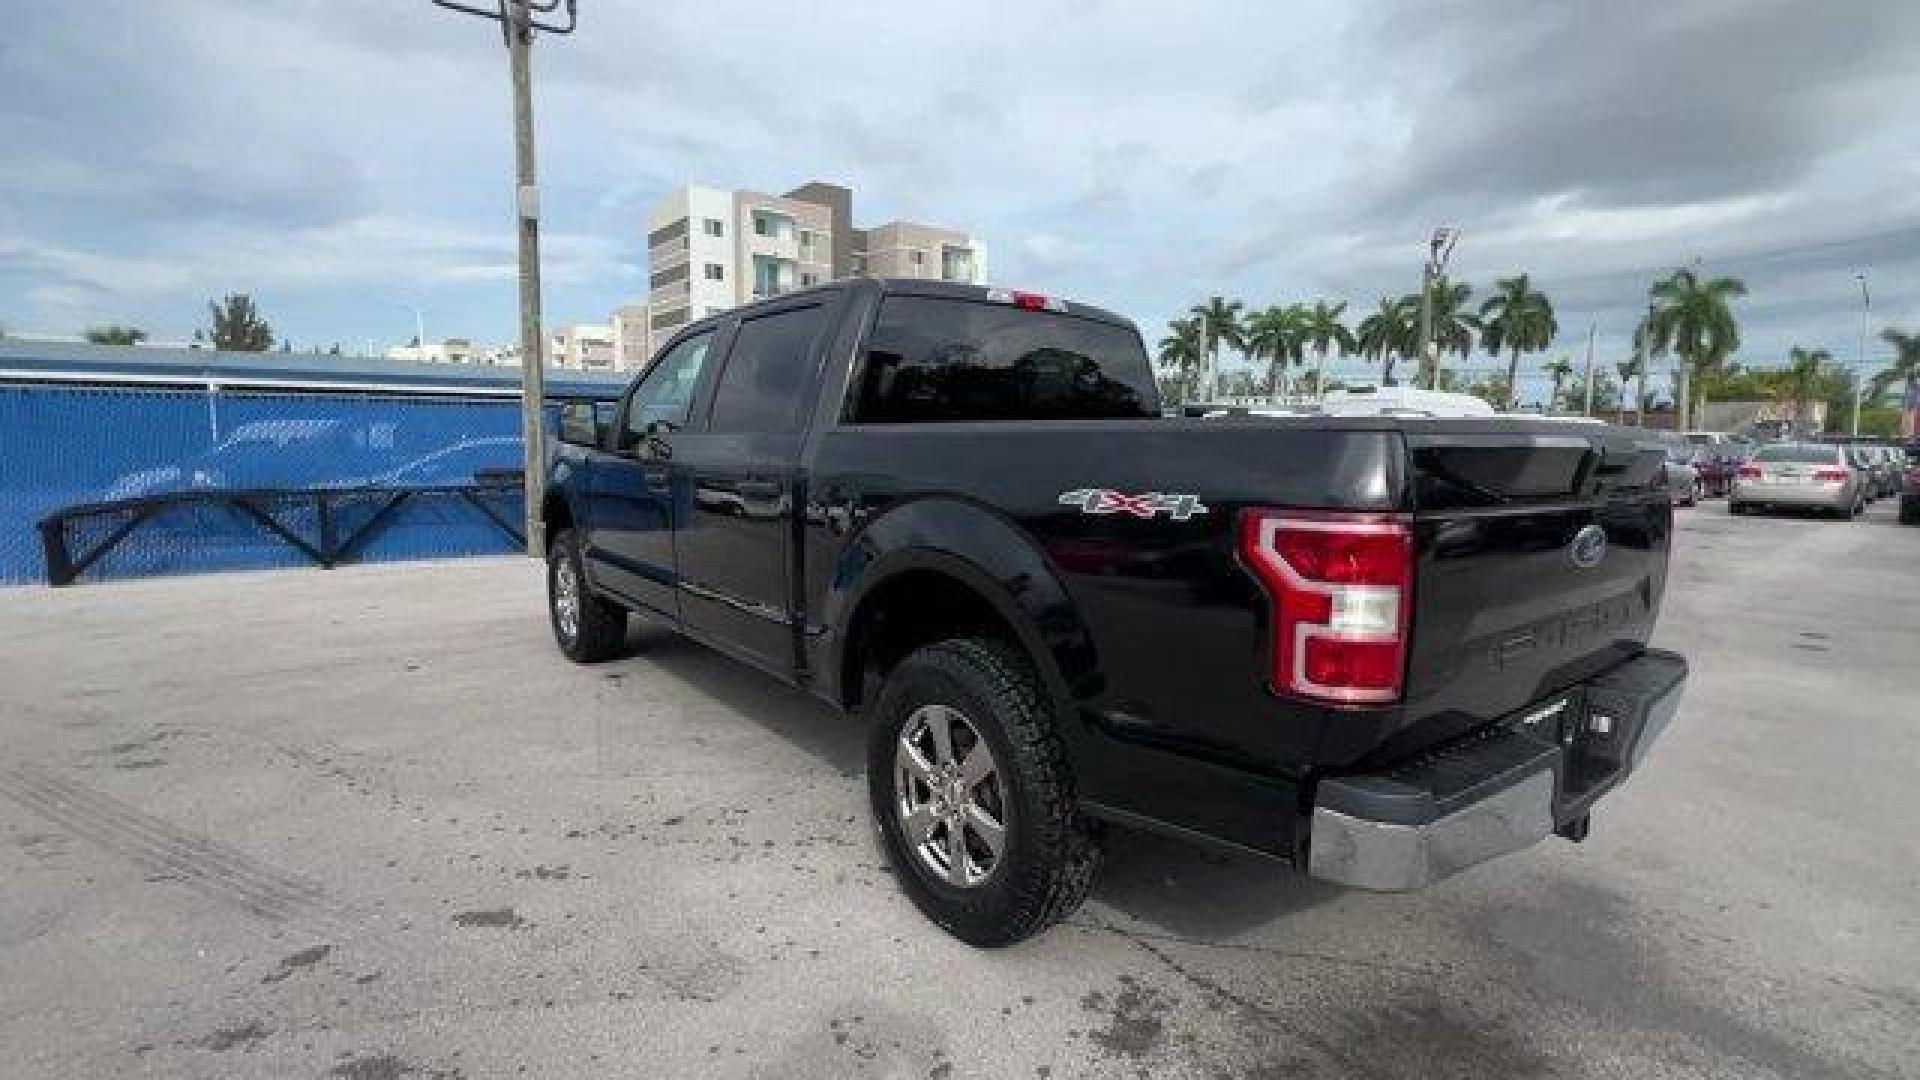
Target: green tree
point(1693, 318)
point(237, 325)
point(1323, 331)
point(1801, 382)
point(1634, 370)
point(116, 334)
point(1559, 369)
point(1905, 369)
point(1276, 334)
point(1391, 333)
point(1454, 326)
point(1519, 319)
point(1219, 325)
point(1180, 359)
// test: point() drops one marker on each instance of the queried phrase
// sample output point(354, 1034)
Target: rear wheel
point(973, 796)
point(587, 628)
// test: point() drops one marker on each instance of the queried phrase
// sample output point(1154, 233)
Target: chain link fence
point(173, 459)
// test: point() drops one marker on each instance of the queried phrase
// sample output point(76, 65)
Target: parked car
point(1819, 476)
point(1717, 466)
point(1382, 648)
point(1910, 490)
point(1684, 484)
point(1888, 470)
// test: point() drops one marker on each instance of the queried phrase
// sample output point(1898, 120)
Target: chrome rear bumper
point(1501, 790)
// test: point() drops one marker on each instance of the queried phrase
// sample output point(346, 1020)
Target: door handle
point(658, 481)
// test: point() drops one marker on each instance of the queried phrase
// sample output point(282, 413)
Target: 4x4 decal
point(1175, 505)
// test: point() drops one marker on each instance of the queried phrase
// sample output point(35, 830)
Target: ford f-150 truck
point(1380, 648)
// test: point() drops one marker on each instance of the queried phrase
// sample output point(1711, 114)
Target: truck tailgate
point(1541, 561)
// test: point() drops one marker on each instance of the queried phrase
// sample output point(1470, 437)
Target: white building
point(448, 351)
point(709, 250)
point(584, 346)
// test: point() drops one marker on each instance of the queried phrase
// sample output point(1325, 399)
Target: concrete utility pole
point(1860, 364)
point(1591, 327)
point(1439, 249)
point(1646, 361)
point(518, 22)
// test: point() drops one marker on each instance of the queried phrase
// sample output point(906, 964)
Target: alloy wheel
point(948, 796)
point(566, 598)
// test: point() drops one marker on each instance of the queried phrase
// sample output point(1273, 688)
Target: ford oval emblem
point(1589, 547)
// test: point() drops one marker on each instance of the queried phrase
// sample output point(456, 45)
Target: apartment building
point(586, 347)
point(709, 250)
point(630, 336)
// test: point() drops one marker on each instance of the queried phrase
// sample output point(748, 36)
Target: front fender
point(982, 548)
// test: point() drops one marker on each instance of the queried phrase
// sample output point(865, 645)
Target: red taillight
point(1833, 476)
point(1749, 472)
point(1341, 586)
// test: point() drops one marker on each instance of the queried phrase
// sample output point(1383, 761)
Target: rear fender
point(988, 553)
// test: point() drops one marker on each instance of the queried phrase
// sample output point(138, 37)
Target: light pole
point(1591, 327)
point(1860, 361)
point(518, 20)
point(1439, 249)
point(419, 327)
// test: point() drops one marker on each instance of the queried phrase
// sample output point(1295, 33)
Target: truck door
point(736, 539)
point(630, 491)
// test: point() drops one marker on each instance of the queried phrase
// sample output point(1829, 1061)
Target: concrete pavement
point(369, 824)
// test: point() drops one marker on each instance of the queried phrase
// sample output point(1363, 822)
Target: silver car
point(1820, 476)
point(1684, 486)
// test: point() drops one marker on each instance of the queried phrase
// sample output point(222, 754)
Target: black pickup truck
point(1379, 648)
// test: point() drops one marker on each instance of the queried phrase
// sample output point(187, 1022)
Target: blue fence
point(63, 445)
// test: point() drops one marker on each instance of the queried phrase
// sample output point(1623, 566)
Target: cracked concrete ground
point(369, 824)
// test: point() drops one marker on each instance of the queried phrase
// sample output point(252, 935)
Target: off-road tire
point(1052, 850)
point(600, 630)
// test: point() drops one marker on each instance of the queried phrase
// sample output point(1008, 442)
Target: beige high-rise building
point(709, 250)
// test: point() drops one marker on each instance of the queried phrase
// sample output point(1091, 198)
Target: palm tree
point(1802, 379)
point(1392, 331)
point(1219, 325)
point(1518, 318)
point(1321, 328)
point(1180, 352)
point(1275, 334)
point(1632, 370)
point(1453, 325)
point(1905, 371)
point(1694, 319)
point(1559, 370)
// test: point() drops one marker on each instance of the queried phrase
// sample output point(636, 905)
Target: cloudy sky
point(341, 159)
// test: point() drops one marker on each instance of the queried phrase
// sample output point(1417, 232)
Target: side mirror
point(580, 424)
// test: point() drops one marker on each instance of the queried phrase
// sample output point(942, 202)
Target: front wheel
point(973, 795)
point(587, 628)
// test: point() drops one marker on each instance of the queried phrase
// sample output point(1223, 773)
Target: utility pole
point(518, 21)
point(1591, 327)
point(1439, 249)
point(1646, 361)
point(1860, 364)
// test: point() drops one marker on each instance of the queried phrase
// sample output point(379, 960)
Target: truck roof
point(914, 287)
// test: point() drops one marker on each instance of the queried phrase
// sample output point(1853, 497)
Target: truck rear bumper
point(1501, 789)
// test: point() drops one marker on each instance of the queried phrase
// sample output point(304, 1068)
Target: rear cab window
point(936, 359)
